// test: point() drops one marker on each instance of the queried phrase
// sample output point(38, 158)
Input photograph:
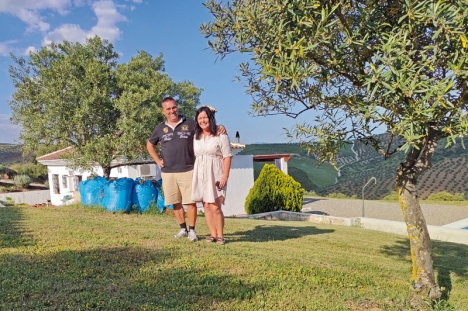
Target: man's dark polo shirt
point(176, 145)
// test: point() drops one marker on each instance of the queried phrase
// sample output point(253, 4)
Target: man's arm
point(221, 130)
point(152, 152)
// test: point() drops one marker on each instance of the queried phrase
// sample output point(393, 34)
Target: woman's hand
point(223, 182)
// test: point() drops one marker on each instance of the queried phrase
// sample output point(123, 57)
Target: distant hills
point(10, 154)
point(358, 163)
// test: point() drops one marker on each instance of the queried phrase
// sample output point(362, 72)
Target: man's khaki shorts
point(177, 187)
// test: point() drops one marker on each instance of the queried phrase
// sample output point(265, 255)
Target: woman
point(211, 172)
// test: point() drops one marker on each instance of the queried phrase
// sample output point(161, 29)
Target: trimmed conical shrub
point(274, 190)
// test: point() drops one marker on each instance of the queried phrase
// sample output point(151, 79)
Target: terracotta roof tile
point(56, 155)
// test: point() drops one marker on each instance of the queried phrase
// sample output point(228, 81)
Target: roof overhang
point(272, 157)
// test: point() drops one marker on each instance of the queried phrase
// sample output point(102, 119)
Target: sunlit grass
point(78, 258)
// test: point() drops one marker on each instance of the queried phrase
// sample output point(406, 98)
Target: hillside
point(10, 154)
point(357, 163)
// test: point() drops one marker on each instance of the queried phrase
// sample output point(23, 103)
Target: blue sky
point(155, 26)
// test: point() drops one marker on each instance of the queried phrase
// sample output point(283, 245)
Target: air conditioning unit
point(145, 170)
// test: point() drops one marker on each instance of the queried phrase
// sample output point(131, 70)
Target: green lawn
point(81, 258)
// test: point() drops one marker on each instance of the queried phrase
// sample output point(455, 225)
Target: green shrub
point(338, 195)
point(311, 194)
point(22, 181)
point(391, 197)
point(35, 171)
point(446, 196)
point(272, 191)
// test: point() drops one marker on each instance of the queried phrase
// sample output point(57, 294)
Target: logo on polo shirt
point(184, 127)
point(166, 130)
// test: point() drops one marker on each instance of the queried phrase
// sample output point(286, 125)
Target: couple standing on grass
point(196, 159)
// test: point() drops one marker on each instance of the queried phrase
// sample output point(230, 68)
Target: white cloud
point(68, 32)
point(32, 13)
point(6, 47)
point(29, 11)
point(107, 19)
point(29, 49)
point(10, 132)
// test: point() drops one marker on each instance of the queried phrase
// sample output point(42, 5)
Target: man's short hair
point(168, 99)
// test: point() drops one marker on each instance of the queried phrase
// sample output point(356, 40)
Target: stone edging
point(437, 233)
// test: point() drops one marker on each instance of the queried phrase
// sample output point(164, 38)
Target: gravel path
point(436, 215)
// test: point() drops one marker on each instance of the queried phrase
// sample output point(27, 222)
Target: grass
point(81, 258)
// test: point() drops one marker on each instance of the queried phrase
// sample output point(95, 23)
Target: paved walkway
point(436, 215)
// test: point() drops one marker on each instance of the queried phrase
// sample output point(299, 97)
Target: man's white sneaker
point(182, 233)
point(192, 236)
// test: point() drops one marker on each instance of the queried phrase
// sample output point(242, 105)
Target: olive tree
point(359, 64)
point(73, 94)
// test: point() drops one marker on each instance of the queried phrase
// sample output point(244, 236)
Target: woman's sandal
point(210, 239)
point(220, 241)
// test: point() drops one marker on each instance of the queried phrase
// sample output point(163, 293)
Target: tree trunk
point(417, 161)
point(106, 172)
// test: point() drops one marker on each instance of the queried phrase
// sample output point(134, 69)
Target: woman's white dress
point(209, 154)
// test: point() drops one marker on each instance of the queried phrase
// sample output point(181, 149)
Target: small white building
point(64, 182)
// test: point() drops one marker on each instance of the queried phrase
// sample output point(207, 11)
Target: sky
point(168, 27)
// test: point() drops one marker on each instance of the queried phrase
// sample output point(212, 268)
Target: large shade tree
point(359, 64)
point(72, 94)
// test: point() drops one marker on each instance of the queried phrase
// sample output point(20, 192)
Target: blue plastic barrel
point(144, 194)
point(118, 195)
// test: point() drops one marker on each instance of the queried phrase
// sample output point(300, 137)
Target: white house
point(64, 182)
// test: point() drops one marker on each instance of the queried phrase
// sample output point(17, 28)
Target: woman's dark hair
point(211, 118)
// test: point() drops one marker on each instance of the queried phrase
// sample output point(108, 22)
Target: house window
point(55, 184)
point(64, 181)
point(119, 169)
point(76, 181)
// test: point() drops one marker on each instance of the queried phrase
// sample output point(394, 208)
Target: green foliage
point(22, 181)
point(72, 94)
point(378, 58)
point(311, 193)
point(35, 171)
point(273, 190)
point(393, 196)
point(446, 196)
point(337, 196)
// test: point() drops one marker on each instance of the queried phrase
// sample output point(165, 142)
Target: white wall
point(241, 179)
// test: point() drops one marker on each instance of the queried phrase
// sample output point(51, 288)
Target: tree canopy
point(399, 64)
point(72, 94)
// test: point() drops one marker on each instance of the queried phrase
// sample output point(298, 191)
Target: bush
point(272, 191)
point(446, 196)
point(35, 171)
point(22, 181)
point(391, 197)
point(338, 195)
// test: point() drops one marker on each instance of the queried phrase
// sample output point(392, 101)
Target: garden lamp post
point(375, 180)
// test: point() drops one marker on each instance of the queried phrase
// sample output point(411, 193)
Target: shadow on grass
point(12, 234)
point(123, 278)
point(275, 232)
point(448, 258)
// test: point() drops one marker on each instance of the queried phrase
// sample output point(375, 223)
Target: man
point(176, 138)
